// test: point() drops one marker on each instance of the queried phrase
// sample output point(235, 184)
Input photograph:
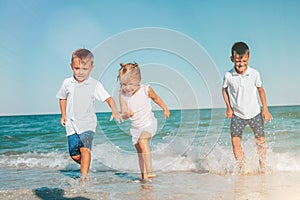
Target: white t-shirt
point(243, 92)
point(81, 97)
point(140, 104)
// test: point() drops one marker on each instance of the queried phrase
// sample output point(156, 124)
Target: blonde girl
point(135, 102)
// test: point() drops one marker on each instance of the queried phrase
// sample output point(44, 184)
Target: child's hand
point(229, 113)
point(127, 114)
point(117, 116)
point(266, 115)
point(63, 121)
point(167, 113)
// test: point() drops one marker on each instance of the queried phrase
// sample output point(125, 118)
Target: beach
point(192, 157)
point(174, 185)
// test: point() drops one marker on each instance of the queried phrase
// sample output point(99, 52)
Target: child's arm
point(124, 110)
point(265, 112)
point(63, 106)
point(115, 114)
point(159, 102)
point(229, 111)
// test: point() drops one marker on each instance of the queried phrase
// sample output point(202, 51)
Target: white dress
point(143, 119)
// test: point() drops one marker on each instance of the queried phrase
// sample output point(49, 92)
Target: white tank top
point(140, 104)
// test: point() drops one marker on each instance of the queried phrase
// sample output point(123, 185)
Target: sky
point(182, 46)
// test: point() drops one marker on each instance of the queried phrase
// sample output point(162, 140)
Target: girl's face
point(240, 62)
point(129, 87)
point(81, 70)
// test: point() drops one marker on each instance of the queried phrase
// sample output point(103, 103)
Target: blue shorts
point(77, 141)
point(238, 125)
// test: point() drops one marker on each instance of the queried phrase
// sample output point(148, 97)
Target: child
point(76, 97)
point(135, 103)
point(242, 103)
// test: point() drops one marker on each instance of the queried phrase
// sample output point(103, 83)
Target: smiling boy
point(77, 96)
point(242, 103)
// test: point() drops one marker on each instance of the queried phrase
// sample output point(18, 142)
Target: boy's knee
point(76, 158)
point(260, 141)
point(236, 141)
point(85, 150)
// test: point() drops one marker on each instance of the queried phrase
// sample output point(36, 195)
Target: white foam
point(114, 157)
point(166, 158)
point(285, 161)
point(53, 160)
point(221, 160)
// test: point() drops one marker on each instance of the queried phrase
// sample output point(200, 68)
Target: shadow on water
point(75, 174)
point(46, 193)
point(126, 176)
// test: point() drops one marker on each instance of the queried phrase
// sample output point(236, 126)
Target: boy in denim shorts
point(76, 97)
point(242, 103)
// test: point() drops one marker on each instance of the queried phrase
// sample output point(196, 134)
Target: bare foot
point(146, 180)
point(84, 181)
point(242, 170)
point(151, 175)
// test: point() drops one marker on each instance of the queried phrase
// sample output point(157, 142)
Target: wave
point(52, 160)
point(166, 158)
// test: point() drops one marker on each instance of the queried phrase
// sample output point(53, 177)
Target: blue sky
point(38, 37)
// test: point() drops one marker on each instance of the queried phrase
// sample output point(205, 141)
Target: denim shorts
point(77, 141)
point(238, 125)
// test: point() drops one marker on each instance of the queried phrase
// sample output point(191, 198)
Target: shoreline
point(170, 185)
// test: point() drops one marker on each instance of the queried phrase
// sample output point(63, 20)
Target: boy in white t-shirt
point(76, 98)
point(135, 103)
point(242, 103)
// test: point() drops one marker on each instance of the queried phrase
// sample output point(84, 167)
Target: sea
point(192, 157)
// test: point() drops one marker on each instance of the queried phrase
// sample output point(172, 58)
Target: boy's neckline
point(80, 82)
point(242, 74)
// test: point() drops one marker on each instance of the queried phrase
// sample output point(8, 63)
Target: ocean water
point(34, 157)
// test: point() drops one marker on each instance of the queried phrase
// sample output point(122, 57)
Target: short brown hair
point(83, 55)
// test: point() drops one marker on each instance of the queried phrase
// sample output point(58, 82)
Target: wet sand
point(172, 185)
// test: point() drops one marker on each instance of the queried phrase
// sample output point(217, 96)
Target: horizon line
point(173, 109)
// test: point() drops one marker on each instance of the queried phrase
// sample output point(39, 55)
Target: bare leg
point(141, 161)
point(146, 153)
point(261, 146)
point(85, 162)
point(238, 151)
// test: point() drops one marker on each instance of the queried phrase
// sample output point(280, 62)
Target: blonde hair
point(84, 55)
point(129, 71)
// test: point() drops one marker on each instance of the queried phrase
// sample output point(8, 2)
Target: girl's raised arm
point(159, 102)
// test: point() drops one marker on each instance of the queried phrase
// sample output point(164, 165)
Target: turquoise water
point(191, 140)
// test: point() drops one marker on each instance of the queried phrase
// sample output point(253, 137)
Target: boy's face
point(81, 69)
point(240, 62)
